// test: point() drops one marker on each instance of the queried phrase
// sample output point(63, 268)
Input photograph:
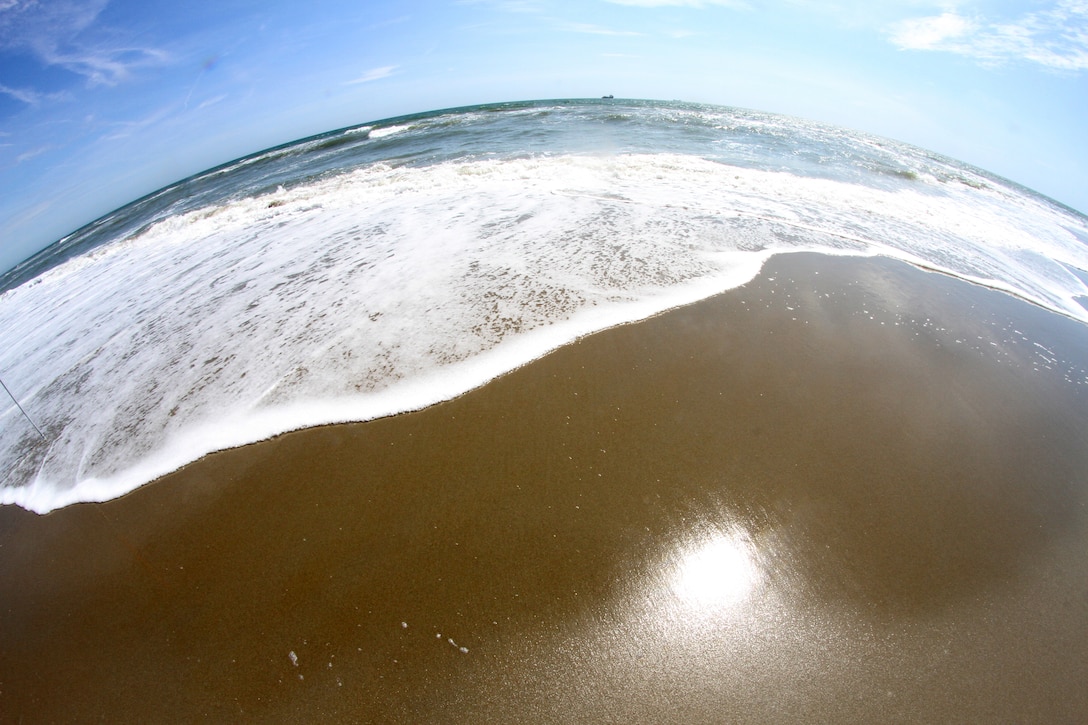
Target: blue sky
point(103, 101)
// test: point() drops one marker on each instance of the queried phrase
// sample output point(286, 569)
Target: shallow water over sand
point(849, 491)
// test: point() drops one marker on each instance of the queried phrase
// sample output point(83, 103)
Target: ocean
point(386, 267)
point(660, 413)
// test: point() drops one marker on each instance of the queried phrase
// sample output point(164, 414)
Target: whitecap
point(389, 289)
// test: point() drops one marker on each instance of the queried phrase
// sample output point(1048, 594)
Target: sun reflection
point(716, 571)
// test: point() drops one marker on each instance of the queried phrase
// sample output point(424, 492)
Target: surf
point(391, 287)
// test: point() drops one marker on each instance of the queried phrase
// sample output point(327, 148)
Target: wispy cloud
point(25, 215)
point(30, 96)
point(1056, 37)
point(594, 29)
point(62, 33)
point(739, 4)
point(212, 101)
point(932, 33)
point(389, 22)
point(128, 128)
point(31, 153)
point(373, 74)
point(106, 66)
point(509, 6)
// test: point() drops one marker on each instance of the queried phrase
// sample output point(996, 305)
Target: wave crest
point(388, 289)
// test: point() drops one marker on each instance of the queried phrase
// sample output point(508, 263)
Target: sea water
point(383, 268)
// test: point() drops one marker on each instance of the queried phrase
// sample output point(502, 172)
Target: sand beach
point(848, 491)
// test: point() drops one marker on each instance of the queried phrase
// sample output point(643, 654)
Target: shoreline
point(897, 481)
point(222, 326)
point(481, 360)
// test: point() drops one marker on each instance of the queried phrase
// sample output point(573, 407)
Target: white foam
point(388, 130)
point(387, 290)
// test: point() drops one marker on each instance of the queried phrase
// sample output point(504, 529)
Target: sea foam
point(386, 290)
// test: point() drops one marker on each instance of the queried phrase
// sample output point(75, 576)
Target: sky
point(104, 101)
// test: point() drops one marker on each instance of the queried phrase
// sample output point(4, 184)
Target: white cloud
point(62, 33)
point(509, 6)
point(1056, 37)
point(29, 97)
point(212, 101)
point(29, 22)
point(130, 128)
point(680, 3)
point(930, 33)
point(373, 74)
point(105, 66)
point(27, 155)
point(25, 215)
point(595, 29)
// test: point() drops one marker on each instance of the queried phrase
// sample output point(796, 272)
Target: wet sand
point(850, 491)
